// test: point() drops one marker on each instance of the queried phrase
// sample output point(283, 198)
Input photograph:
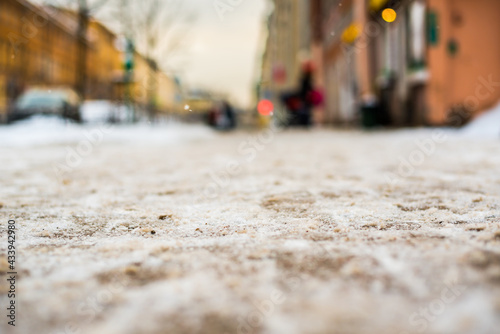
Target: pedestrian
point(300, 102)
point(305, 91)
point(230, 115)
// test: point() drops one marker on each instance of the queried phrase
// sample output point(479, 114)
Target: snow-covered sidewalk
point(177, 229)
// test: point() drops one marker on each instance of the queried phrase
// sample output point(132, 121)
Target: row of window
point(29, 64)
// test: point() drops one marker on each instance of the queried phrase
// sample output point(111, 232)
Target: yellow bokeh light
point(351, 33)
point(389, 15)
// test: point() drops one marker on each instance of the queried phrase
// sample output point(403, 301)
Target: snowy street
point(179, 229)
point(249, 167)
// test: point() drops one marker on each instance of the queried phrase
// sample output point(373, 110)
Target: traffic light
point(129, 62)
point(129, 56)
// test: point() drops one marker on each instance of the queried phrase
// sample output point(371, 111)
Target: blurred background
point(125, 60)
point(150, 142)
point(396, 63)
point(354, 63)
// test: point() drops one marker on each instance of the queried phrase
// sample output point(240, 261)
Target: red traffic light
point(265, 107)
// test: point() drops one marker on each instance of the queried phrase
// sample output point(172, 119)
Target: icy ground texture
point(316, 232)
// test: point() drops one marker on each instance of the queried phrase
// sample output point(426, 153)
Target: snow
point(101, 111)
point(486, 125)
point(43, 130)
point(97, 111)
point(308, 216)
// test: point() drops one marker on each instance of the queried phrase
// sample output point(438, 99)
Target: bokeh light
point(265, 107)
point(389, 15)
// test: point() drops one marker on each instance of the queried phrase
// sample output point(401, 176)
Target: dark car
point(60, 102)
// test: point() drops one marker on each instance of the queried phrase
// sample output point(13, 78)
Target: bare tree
point(160, 29)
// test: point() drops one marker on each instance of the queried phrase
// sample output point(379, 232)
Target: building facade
point(463, 57)
point(421, 62)
point(34, 50)
point(39, 47)
point(287, 45)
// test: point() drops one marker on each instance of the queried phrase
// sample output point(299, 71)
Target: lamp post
point(128, 66)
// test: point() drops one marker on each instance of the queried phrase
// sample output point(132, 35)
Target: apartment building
point(39, 47)
point(431, 61)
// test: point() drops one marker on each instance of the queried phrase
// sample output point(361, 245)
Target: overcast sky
point(224, 52)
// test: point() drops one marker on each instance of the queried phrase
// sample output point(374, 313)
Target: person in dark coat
point(228, 111)
point(305, 91)
point(301, 101)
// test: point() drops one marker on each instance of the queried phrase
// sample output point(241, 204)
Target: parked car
point(62, 102)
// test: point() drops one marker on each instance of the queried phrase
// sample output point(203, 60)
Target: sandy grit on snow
point(298, 232)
